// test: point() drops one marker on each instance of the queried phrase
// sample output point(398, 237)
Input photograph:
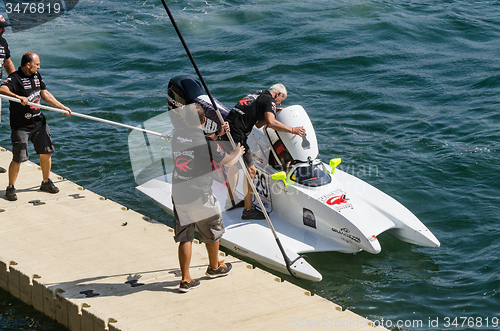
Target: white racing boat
point(313, 207)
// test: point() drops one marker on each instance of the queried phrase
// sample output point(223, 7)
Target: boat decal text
point(236, 248)
point(346, 233)
point(336, 199)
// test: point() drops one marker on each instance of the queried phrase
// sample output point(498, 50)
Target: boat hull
point(312, 206)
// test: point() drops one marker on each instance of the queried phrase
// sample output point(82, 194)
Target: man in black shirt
point(259, 109)
point(27, 122)
point(5, 61)
point(194, 202)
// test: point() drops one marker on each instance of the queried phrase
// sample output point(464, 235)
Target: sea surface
point(407, 93)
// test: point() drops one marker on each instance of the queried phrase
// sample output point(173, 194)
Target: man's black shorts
point(238, 138)
point(39, 135)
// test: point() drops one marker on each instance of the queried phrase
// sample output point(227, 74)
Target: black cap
point(3, 22)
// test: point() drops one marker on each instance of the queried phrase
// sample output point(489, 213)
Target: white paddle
point(164, 136)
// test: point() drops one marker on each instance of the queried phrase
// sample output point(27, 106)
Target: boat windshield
point(312, 175)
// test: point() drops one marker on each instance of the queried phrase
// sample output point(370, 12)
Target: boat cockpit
point(311, 173)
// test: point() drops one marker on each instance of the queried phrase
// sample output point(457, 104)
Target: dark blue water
point(406, 93)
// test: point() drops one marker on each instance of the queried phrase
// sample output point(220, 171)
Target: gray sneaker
point(10, 193)
point(186, 286)
point(49, 187)
point(252, 214)
point(222, 270)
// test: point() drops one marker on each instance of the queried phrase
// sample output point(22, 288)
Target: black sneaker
point(230, 205)
point(10, 193)
point(222, 270)
point(252, 214)
point(2, 170)
point(186, 286)
point(48, 187)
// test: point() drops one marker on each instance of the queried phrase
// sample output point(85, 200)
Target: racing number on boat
point(261, 185)
point(261, 182)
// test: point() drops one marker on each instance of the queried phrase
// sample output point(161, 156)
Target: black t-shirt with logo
point(193, 153)
point(28, 86)
point(250, 110)
point(4, 53)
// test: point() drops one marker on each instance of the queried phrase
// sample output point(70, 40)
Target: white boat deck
point(93, 265)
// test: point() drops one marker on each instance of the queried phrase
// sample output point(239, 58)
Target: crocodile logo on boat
point(337, 200)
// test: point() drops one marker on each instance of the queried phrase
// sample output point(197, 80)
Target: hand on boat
point(299, 131)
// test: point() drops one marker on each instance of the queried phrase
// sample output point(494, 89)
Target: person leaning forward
point(5, 60)
point(259, 109)
point(28, 122)
point(194, 202)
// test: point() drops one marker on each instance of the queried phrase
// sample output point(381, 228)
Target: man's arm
point(5, 91)
point(232, 157)
point(261, 123)
point(9, 66)
point(51, 100)
point(271, 121)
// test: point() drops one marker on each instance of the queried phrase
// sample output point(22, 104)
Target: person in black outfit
point(194, 202)
point(259, 109)
point(28, 123)
point(5, 60)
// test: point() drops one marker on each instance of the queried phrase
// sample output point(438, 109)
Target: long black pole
point(288, 263)
point(189, 55)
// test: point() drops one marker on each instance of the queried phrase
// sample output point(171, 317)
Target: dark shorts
point(39, 135)
point(205, 215)
point(238, 138)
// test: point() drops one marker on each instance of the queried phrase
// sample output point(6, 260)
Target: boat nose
point(372, 245)
point(431, 241)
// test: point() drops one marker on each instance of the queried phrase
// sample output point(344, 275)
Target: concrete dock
point(93, 265)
